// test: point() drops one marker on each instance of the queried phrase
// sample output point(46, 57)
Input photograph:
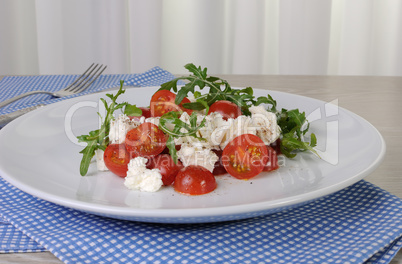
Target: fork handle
point(15, 98)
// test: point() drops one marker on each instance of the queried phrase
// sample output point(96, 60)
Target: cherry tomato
point(146, 140)
point(245, 156)
point(146, 112)
point(272, 163)
point(165, 164)
point(226, 109)
point(194, 180)
point(116, 159)
point(219, 169)
point(276, 146)
point(167, 151)
point(162, 102)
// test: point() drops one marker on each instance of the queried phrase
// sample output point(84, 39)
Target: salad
point(190, 134)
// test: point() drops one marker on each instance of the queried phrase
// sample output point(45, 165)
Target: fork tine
point(79, 79)
point(90, 79)
point(82, 80)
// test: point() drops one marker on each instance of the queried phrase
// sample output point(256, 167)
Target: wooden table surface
point(377, 99)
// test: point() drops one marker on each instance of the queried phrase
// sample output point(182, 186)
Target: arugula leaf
point(219, 89)
point(290, 121)
point(267, 100)
point(99, 138)
point(180, 128)
point(132, 110)
point(290, 144)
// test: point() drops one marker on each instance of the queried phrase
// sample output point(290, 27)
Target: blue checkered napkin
point(14, 85)
point(361, 223)
point(14, 241)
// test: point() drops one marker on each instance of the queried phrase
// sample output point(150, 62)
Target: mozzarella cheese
point(153, 120)
point(119, 128)
point(236, 127)
point(196, 154)
point(187, 139)
point(140, 178)
point(218, 132)
point(210, 131)
point(100, 163)
point(265, 123)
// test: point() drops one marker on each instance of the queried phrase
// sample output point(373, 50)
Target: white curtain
point(315, 37)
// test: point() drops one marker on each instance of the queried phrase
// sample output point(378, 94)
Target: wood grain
point(377, 99)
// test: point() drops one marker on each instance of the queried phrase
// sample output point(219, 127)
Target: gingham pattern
point(350, 226)
point(360, 224)
point(11, 86)
point(12, 240)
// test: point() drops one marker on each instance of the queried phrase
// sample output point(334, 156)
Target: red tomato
point(226, 109)
point(162, 102)
point(167, 151)
point(146, 112)
point(185, 101)
point(194, 180)
point(245, 156)
point(165, 164)
point(146, 140)
point(276, 146)
point(272, 163)
point(116, 159)
point(218, 167)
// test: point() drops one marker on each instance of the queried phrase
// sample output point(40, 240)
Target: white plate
point(39, 156)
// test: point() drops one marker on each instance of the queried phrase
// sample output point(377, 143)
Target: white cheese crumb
point(236, 127)
point(140, 178)
point(185, 117)
point(119, 128)
point(265, 123)
point(211, 131)
point(100, 163)
point(196, 154)
point(153, 120)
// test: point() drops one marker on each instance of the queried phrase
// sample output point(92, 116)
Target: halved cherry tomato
point(219, 169)
point(226, 109)
point(272, 163)
point(194, 180)
point(245, 156)
point(116, 159)
point(276, 145)
point(165, 164)
point(162, 102)
point(167, 151)
point(146, 112)
point(146, 140)
point(185, 101)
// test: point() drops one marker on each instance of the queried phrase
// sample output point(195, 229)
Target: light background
point(296, 37)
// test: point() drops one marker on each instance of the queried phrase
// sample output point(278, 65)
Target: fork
point(79, 85)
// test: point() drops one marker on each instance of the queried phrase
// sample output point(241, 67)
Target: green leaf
point(247, 90)
point(99, 138)
point(181, 128)
point(132, 110)
point(200, 73)
point(297, 117)
point(194, 106)
point(88, 153)
point(313, 140)
point(197, 94)
point(172, 149)
point(185, 90)
point(170, 85)
point(267, 100)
